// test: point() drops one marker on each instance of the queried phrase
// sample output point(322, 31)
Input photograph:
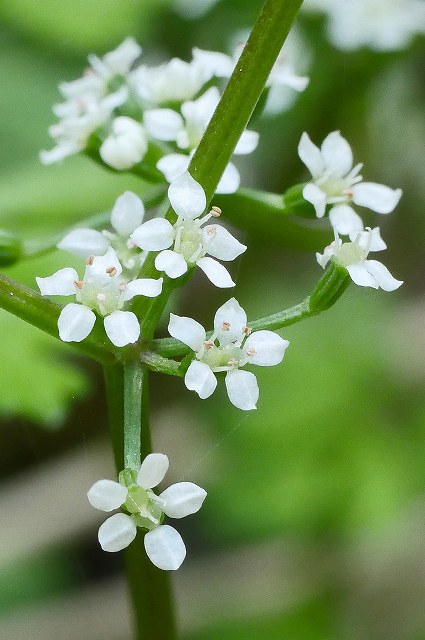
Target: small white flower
point(164, 545)
point(125, 145)
point(353, 256)
point(383, 25)
point(196, 115)
point(230, 347)
point(91, 100)
point(190, 240)
point(101, 290)
point(174, 81)
point(127, 214)
point(337, 182)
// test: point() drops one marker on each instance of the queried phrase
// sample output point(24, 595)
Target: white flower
point(188, 132)
point(337, 182)
point(102, 290)
point(383, 25)
point(125, 145)
point(174, 81)
point(230, 347)
point(194, 8)
point(164, 545)
point(127, 214)
point(189, 239)
point(352, 256)
point(91, 100)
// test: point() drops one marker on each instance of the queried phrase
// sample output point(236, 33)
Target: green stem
point(328, 290)
point(42, 313)
point(128, 404)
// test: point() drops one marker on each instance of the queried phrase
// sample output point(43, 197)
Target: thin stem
point(328, 290)
point(133, 382)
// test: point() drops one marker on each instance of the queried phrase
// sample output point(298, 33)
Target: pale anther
point(78, 284)
point(251, 351)
point(215, 211)
point(232, 362)
point(212, 231)
point(208, 344)
point(89, 260)
point(225, 326)
point(111, 271)
point(246, 331)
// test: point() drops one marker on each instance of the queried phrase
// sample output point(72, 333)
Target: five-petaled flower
point(189, 239)
point(337, 182)
point(352, 256)
point(164, 545)
point(103, 290)
point(230, 347)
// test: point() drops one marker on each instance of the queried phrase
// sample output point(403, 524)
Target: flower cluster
point(230, 347)
point(383, 25)
point(145, 510)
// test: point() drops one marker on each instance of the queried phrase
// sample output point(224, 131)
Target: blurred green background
point(314, 524)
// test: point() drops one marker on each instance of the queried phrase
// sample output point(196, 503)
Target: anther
point(232, 362)
point(78, 284)
point(212, 231)
point(122, 286)
point(111, 271)
point(208, 344)
point(216, 211)
point(246, 331)
point(225, 326)
point(348, 192)
point(90, 260)
point(251, 351)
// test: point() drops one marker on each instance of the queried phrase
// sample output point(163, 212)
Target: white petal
point(127, 214)
point(122, 328)
point(60, 283)
point(148, 287)
point(117, 532)
point(75, 322)
point(360, 275)
point(337, 154)
point(172, 263)
point(101, 263)
point(247, 143)
point(370, 240)
point(165, 547)
point(383, 277)
point(187, 331)
point(122, 152)
point(84, 243)
point(187, 197)
point(266, 347)
point(230, 180)
point(182, 499)
point(345, 220)
point(230, 322)
point(218, 64)
point(242, 389)
point(201, 379)
point(220, 244)
point(377, 197)
point(313, 194)
point(311, 156)
point(173, 165)
point(153, 470)
point(216, 273)
point(163, 124)
point(107, 495)
point(154, 235)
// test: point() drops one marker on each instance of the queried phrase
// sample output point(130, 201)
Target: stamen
point(208, 344)
point(212, 231)
point(348, 192)
point(225, 326)
point(246, 331)
point(111, 271)
point(233, 362)
point(122, 286)
point(216, 211)
point(251, 351)
point(79, 284)
point(90, 260)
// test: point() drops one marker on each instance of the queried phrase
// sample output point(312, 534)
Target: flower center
point(350, 253)
point(218, 358)
point(101, 295)
point(189, 241)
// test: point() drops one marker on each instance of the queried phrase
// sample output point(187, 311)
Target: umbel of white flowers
point(187, 242)
point(101, 290)
point(353, 256)
point(133, 493)
point(337, 182)
point(231, 346)
point(127, 214)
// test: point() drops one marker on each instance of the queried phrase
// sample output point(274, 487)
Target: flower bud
point(126, 145)
point(330, 287)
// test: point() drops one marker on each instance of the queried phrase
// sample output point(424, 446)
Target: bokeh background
point(315, 520)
